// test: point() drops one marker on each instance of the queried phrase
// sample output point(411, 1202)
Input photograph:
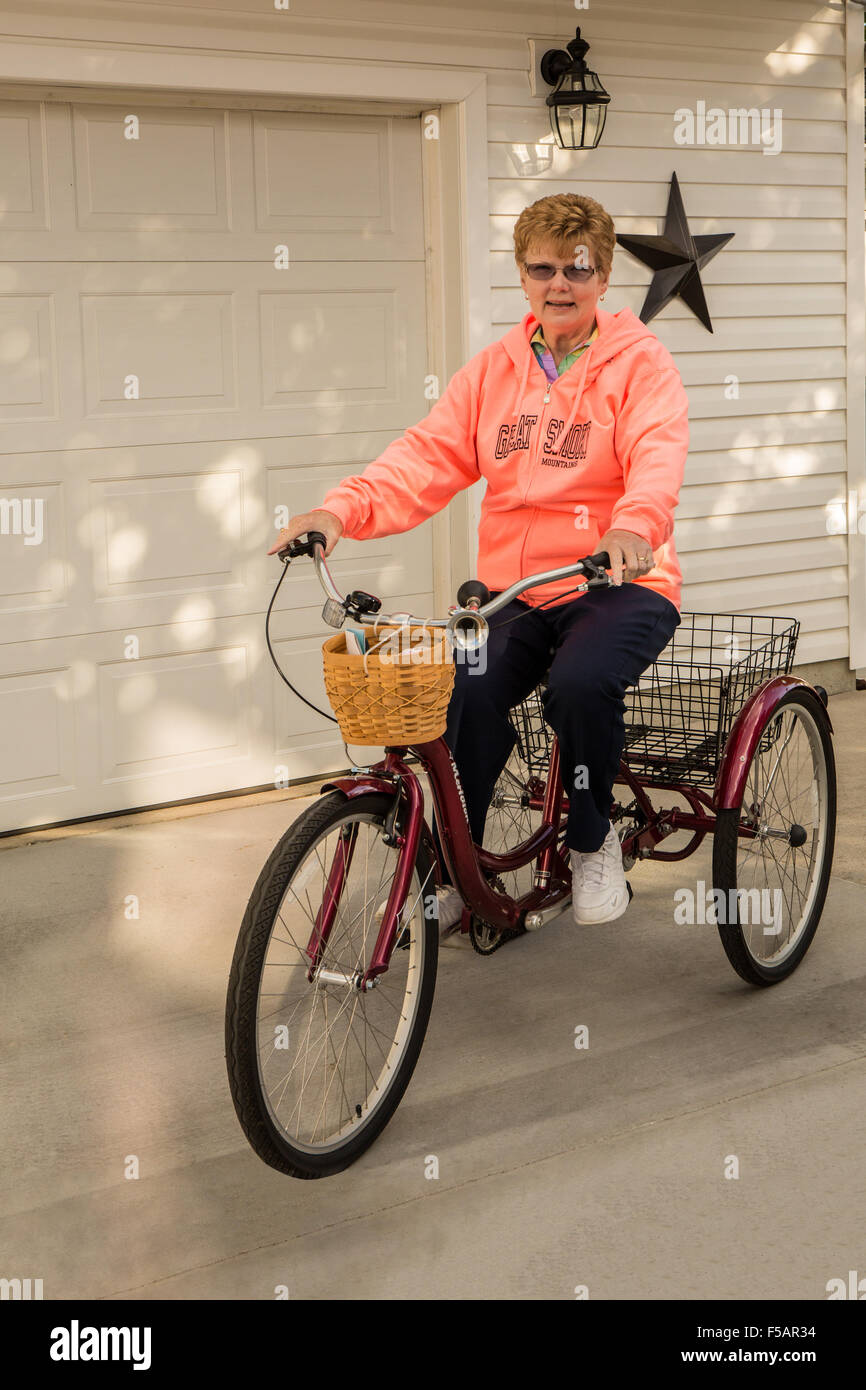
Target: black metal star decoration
point(677, 258)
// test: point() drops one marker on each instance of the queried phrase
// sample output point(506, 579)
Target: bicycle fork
point(406, 839)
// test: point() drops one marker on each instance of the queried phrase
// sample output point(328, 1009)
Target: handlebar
point(467, 621)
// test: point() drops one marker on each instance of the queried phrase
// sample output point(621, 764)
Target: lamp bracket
point(553, 64)
point(557, 61)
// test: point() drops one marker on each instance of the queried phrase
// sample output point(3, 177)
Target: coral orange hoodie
point(603, 446)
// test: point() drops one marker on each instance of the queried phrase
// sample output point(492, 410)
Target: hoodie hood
point(617, 333)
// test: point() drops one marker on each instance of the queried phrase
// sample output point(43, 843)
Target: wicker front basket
point(401, 697)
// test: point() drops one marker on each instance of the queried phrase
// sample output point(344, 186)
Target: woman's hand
point(330, 526)
point(630, 555)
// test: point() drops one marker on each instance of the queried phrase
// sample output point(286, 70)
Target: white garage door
point(166, 383)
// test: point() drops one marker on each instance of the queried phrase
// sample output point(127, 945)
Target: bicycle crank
point(486, 939)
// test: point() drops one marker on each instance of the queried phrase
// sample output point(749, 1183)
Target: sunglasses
point(541, 270)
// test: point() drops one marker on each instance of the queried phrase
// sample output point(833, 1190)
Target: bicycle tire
point(267, 1140)
point(726, 841)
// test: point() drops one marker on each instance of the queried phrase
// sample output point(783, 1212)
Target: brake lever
point(596, 577)
point(293, 549)
point(594, 573)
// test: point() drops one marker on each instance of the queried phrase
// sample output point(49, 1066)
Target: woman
point(578, 420)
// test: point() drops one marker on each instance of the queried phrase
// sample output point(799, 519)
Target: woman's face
point(564, 308)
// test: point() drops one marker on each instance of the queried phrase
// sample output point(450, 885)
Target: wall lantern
point(578, 102)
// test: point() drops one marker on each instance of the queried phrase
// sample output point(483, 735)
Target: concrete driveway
point(558, 1168)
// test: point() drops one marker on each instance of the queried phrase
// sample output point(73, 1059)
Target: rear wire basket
point(534, 735)
point(680, 713)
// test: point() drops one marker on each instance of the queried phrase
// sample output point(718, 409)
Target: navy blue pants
point(595, 646)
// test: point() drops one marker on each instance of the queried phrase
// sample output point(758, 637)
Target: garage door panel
point(22, 166)
point(295, 723)
point(183, 718)
point(241, 350)
point(173, 176)
point(167, 534)
point(33, 569)
point(326, 348)
point(207, 185)
point(103, 731)
point(300, 159)
point(173, 712)
point(28, 358)
point(37, 737)
point(148, 354)
point(337, 349)
point(150, 546)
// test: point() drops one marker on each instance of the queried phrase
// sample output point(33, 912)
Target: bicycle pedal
point(458, 935)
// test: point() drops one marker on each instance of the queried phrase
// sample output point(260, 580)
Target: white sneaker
point(450, 909)
point(599, 889)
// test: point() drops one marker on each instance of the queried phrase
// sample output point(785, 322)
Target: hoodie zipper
point(530, 475)
point(532, 520)
point(533, 460)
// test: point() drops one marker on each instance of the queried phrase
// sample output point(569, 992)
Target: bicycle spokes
point(327, 1046)
point(785, 806)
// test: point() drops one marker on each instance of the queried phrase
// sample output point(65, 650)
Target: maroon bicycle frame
point(465, 860)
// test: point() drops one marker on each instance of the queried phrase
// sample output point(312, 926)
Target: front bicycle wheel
point(774, 882)
point(317, 1065)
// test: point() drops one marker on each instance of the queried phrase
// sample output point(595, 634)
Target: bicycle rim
point(329, 1054)
point(781, 873)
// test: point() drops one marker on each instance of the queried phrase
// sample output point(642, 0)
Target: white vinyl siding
point(763, 469)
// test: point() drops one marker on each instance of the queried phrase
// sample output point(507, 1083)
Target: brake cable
point(273, 656)
point(532, 608)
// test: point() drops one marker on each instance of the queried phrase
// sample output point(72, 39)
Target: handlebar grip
point(600, 561)
point(300, 547)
